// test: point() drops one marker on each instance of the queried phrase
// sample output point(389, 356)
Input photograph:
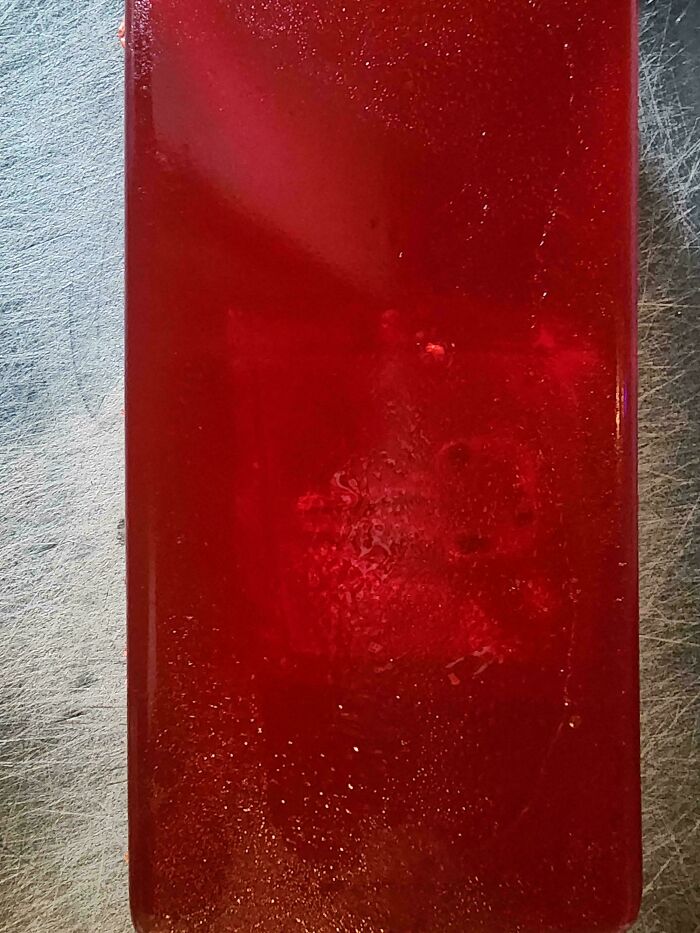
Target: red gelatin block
point(381, 466)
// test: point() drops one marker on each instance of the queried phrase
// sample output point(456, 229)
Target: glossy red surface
point(381, 466)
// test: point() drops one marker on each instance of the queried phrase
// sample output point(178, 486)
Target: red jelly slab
point(381, 466)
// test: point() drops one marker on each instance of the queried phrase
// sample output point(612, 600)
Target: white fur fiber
point(62, 668)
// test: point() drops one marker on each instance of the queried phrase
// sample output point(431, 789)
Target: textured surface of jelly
point(381, 490)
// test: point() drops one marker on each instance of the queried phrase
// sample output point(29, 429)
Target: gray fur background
point(62, 720)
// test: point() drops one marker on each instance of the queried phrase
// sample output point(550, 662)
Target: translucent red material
point(381, 466)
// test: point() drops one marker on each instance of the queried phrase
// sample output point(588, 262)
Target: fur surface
point(62, 719)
